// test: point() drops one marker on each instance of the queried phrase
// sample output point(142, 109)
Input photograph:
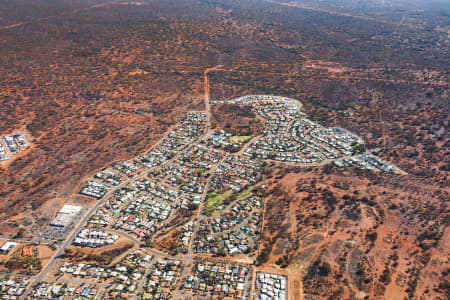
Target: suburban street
point(183, 169)
point(60, 248)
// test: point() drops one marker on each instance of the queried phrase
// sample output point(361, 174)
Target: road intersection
point(81, 224)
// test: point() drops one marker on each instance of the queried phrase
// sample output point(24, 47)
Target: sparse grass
point(202, 171)
point(215, 200)
point(244, 194)
point(27, 264)
point(237, 139)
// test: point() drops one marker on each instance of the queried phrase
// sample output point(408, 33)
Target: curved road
point(81, 224)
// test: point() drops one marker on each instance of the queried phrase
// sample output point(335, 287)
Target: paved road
point(148, 249)
point(72, 236)
point(77, 281)
point(190, 255)
point(141, 284)
point(81, 224)
point(84, 220)
point(189, 258)
point(100, 295)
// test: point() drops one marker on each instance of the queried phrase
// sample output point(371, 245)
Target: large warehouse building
point(65, 217)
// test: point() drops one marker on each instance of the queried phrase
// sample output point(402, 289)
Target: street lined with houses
point(166, 215)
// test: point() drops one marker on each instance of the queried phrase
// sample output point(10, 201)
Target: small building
point(6, 247)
